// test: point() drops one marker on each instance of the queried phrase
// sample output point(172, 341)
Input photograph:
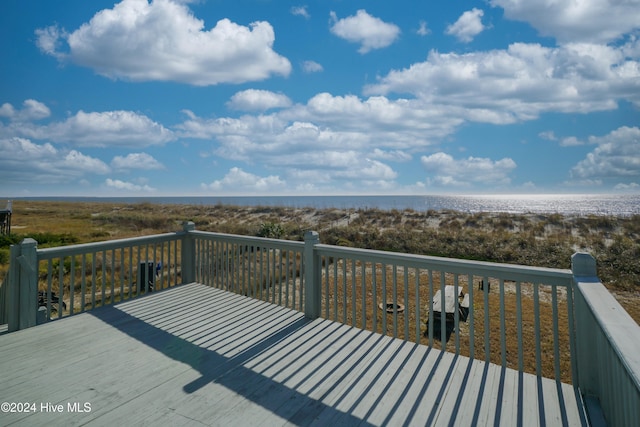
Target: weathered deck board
point(195, 355)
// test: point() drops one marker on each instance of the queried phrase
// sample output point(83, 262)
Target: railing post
point(312, 286)
point(23, 285)
point(583, 267)
point(188, 257)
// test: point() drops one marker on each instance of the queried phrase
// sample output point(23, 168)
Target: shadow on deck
point(201, 356)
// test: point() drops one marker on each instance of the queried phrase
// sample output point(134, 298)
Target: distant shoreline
point(565, 204)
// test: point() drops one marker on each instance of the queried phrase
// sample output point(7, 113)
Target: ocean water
point(566, 204)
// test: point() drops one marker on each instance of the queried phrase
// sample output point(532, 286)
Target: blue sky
point(215, 97)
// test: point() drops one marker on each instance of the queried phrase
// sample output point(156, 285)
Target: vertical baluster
point(122, 294)
point(335, 290)
point(201, 262)
point(265, 268)
point(572, 335)
point(204, 257)
point(161, 276)
point(224, 280)
point(556, 339)
point(430, 330)
point(363, 286)
point(214, 253)
point(471, 318)
point(197, 275)
point(93, 280)
point(519, 323)
point(536, 317)
point(212, 263)
point(503, 326)
point(443, 312)
point(175, 262)
point(242, 276)
point(155, 264)
point(394, 275)
point(417, 301)
point(221, 260)
point(173, 271)
point(146, 268)
point(353, 293)
point(487, 327)
point(241, 267)
point(344, 292)
point(326, 290)
point(374, 296)
point(83, 282)
point(261, 275)
point(228, 283)
point(160, 280)
point(233, 260)
point(113, 273)
point(297, 259)
point(60, 287)
point(214, 266)
point(72, 284)
point(383, 269)
point(49, 286)
point(287, 277)
point(103, 276)
point(209, 262)
point(274, 274)
point(302, 282)
point(246, 270)
point(254, 264)
point(280, 273)
point(406, 302)
point(456, 312)
point(130, 269)
point(167, 267)
point(138, 284)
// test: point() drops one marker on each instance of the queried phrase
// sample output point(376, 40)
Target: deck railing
point(520, 317)
point(555, 323)
point(266, 269)
point(51, 283)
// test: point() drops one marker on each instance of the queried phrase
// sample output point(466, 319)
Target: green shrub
point(270, 230)
point(4, 256)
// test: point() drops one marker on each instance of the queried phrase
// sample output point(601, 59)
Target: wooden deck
point(195, 355)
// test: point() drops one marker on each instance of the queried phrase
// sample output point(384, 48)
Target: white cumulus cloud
point(136, 161)
point(617, 155)
point(258, 100)
point(237, 180)
point(300, 11)
point(24, 161)
point(164, 41)
point(31, 110)
point(445, 170)
point(311, 67)
point(521, 82)
point(423, 30)
point(105, 129)
point(594, 21)
point(125, 186)
point(80, 162)
point(467, 26)
point(370, 32)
